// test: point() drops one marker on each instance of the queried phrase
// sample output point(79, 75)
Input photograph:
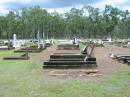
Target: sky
point(60, 6)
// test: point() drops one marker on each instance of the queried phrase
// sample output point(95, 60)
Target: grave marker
point(38, 38)
point(14, 40)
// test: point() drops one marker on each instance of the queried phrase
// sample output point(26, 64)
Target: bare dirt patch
point(106, 65)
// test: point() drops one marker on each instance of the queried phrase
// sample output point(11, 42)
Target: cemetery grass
point(25, 79)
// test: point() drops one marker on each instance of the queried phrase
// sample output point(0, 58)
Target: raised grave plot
point(68, 46)
point(125, 58)
point(21, 57)
point(30, 50)
point(72, 60)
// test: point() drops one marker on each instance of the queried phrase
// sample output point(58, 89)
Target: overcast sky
point(60, 5)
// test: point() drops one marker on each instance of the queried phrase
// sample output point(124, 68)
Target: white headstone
point(128, 43)
point(100, 41)
point(14, 40)
point(109, 40)
point(38, 38)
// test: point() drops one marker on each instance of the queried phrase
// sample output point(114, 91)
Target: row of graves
point(125, 43)
point(35, 45)
point(96, 42)
point(27, 46)
point(84, 59)
point(119, 43)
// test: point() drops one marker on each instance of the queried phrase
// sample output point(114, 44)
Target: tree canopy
point(88, 22)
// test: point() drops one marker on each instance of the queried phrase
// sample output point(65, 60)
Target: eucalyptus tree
point(11, 24)
point(3, 27)
point(88, 22)
point(75, 22)
point(125, 23)
point(94, 18)
point(111, 19)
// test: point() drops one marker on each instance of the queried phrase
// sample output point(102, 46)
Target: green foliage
point(87, 22)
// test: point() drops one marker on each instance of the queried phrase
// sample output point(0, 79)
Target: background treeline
point(87, 22)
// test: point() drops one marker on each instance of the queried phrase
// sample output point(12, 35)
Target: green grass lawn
point(24, 79)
